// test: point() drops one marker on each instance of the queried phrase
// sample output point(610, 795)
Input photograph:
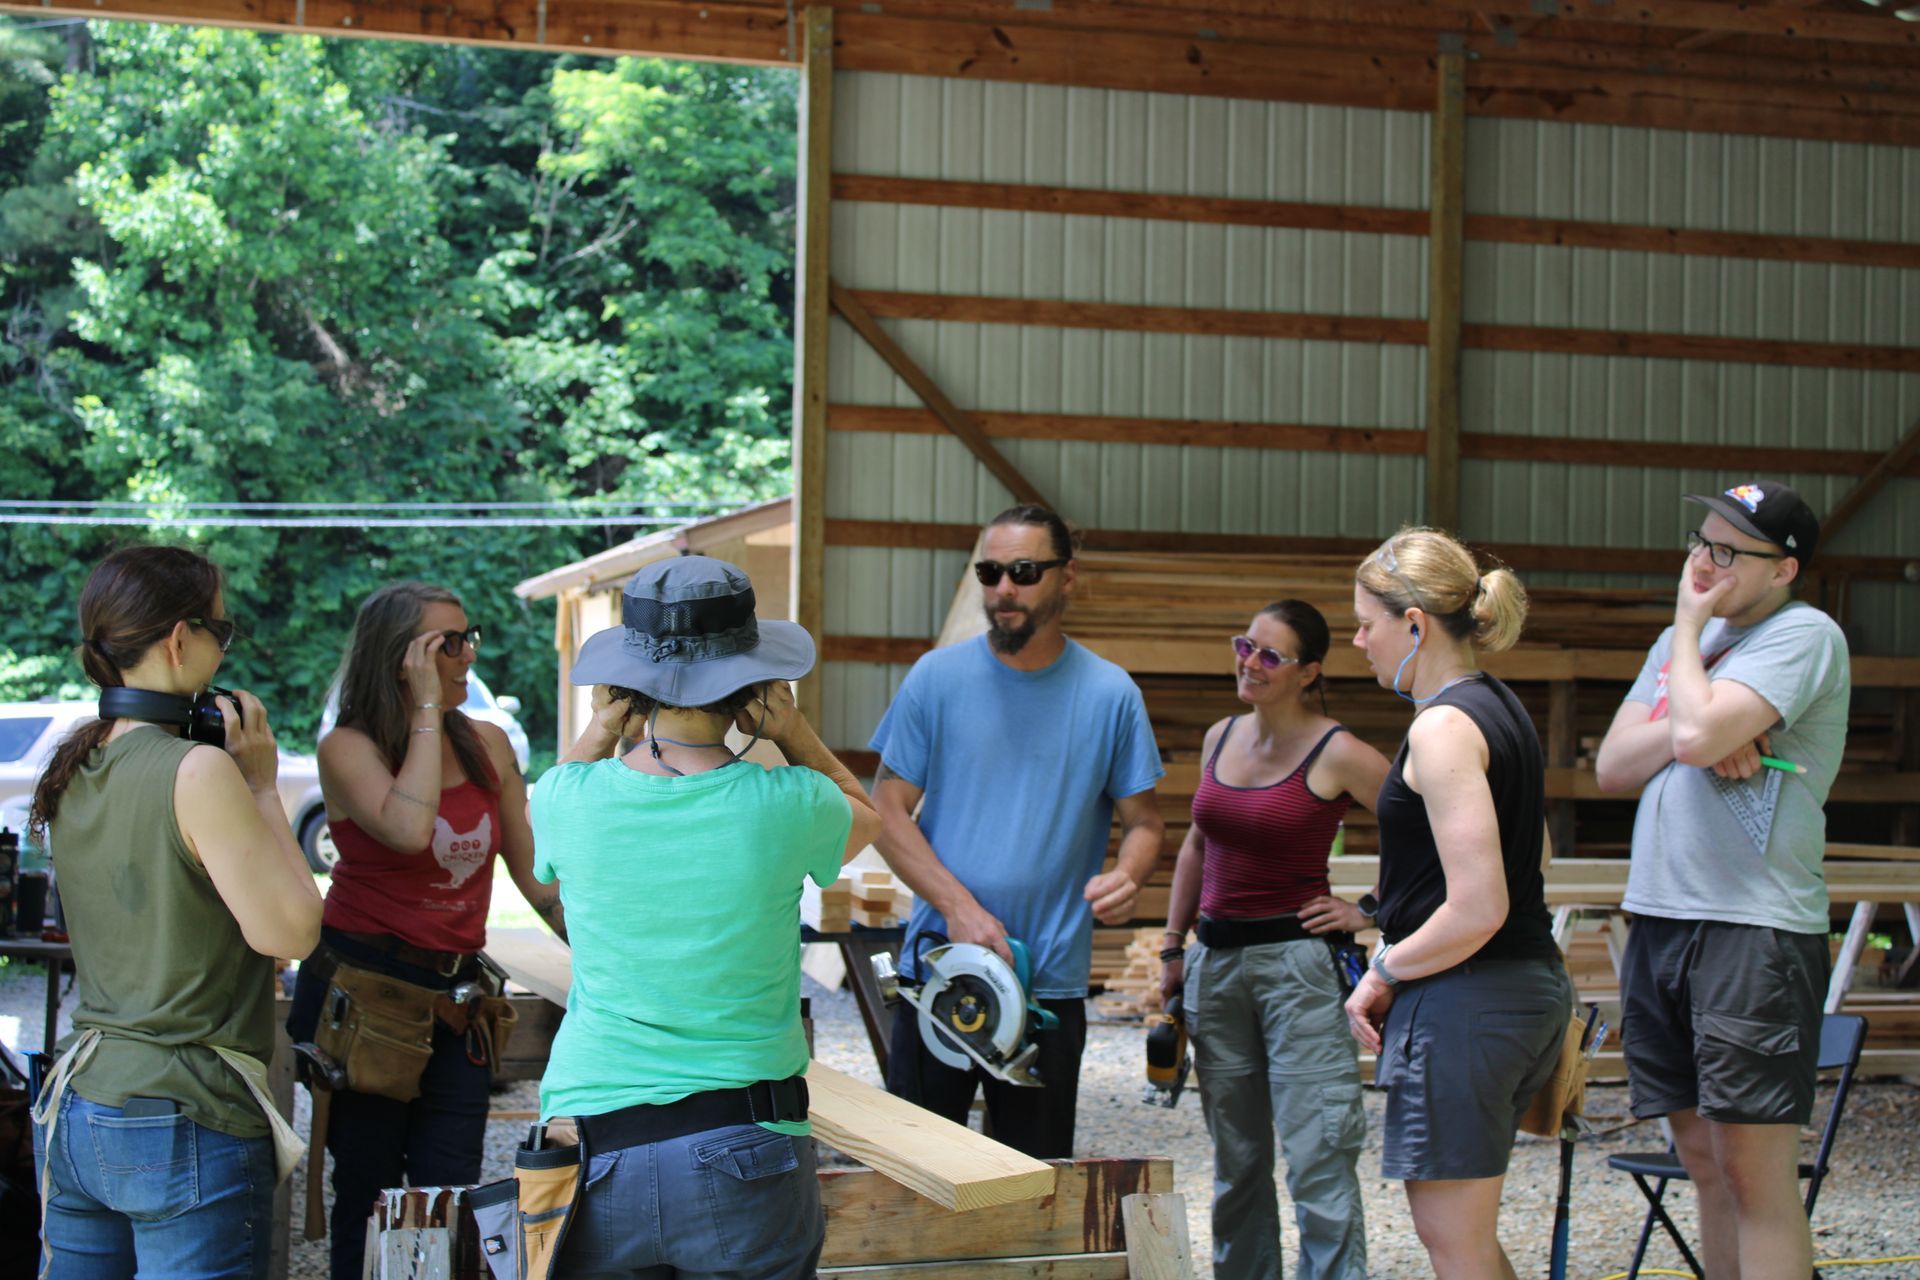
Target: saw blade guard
point(970, 994)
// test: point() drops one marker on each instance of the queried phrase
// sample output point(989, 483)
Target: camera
point(200, 716)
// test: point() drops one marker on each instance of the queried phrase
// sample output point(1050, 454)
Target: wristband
point(1172, 953)
point(426, 706)
point(1379, 966)
point(431, 728)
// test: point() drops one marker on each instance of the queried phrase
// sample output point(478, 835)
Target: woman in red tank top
point(419, 799)
point(1261, 989)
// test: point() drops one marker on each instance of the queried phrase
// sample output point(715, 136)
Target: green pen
point(1784, 766)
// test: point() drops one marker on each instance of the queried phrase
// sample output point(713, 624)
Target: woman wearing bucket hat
point(682, 1056)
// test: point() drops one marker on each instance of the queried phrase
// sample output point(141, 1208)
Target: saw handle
point(1043, 1019)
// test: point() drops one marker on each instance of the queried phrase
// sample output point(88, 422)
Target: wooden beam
point(1370, 441)
point(812, 275)
point(1896, 461)
point(931, 536)
point(724, 32)
point(1219, 321)
point(1750, 17)
point(852, 307)
point(874, 1220)
point(1446, 199)
point(903, 650)
point(947, 1163)
point(1498, 229)
point(1052, 1266)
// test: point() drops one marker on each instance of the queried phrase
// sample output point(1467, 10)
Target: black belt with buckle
point(765, 1100)
point(1222, 935)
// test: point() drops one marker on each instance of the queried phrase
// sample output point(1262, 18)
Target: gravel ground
point(1869, 1207)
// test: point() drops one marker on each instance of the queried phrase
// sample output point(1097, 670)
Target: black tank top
point(1412, 884)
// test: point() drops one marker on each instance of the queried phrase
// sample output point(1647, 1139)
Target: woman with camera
point(419, 799)
point(1467, 1000)
point(682, 1058)
point(1261, 989)
point(181, 882)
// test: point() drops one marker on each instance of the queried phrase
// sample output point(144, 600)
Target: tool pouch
point(1563, 1098)
point(380, 1029)
point(523, 1220)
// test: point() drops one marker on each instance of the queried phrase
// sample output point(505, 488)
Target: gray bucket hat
point(688, 637)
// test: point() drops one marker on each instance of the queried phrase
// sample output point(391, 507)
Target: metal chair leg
point(1656, 1211)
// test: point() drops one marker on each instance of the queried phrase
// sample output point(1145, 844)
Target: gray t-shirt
point(1748, 852)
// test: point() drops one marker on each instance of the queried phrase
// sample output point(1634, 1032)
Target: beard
point(1012, 638)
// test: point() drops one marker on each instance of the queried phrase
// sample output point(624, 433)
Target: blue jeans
point(740, 1202)
point(153, 1196)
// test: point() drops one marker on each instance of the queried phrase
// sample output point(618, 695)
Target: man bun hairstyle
point(132, 601)
point(1065, 539)
point(1430, 570)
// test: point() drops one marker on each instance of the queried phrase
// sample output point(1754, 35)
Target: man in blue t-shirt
point(1024, 746)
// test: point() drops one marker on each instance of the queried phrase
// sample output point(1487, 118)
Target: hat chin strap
point(653, 740)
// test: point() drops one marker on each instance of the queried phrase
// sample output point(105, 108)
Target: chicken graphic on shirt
point(461, 853)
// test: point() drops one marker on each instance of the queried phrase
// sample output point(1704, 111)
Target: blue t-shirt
point(683, 907)
point(1020, 771)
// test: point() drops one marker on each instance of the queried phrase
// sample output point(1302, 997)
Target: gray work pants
point(1272, 1050)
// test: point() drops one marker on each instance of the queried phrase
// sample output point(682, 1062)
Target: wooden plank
point(746, 33)
point(535, 959)
point(1562, 742)
point(1895, 461)
point(812, 274)
point(1157, 1244)
point(1086, 1266)
point(901, 649)
point(1446, 200)
point(1549, 339)
point(945, 1162)
point(874, 1220)
point(1650, 560)
point(853, 308)
point(1494, 228)
point(1381, 441)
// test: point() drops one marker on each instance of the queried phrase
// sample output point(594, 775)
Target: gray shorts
point(1462, 1053)
point(1722, 1018)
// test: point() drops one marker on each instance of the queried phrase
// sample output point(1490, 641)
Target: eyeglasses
point(1244, 648)
point(455, 643)
point(221, 629)
point(1722, 553)
point(1023, 572)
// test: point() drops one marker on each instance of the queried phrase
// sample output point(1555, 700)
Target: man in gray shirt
point(1735, 728)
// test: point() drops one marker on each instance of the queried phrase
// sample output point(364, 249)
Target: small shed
point(758, 538)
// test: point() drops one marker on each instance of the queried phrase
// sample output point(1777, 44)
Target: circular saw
point(973, 1007)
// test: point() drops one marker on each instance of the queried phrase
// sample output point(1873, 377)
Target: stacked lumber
point(870, 896)
point(1126, 964)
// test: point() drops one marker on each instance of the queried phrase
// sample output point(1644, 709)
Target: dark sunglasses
point(1023, 572)
point(454, 643)
point(1244, 648)
point(221, 629)
point(1722, 553)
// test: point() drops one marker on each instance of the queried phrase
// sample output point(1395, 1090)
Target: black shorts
point(1723, 1019)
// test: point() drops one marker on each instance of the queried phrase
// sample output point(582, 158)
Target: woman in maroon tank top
point(1261, 989)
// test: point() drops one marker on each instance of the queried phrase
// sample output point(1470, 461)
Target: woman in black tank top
point(1466, 1003)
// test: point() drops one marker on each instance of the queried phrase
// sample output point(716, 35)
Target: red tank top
point(436, 898)
point(1266, 847)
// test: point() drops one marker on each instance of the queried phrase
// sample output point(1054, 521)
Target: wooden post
point(1157, 1242)
point(811, 273)
point(1891, 464)
point(1444, 248)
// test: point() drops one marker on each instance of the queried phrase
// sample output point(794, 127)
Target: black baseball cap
point(1769, 510)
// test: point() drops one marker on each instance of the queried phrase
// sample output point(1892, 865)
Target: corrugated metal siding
point(1711, 182)
point(976, 131)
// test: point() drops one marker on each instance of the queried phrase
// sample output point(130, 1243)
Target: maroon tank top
point(1266, 847)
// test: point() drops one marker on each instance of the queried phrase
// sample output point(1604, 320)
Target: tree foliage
point(239, 268)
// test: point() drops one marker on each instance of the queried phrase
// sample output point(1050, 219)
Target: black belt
point(1226, 934)
point(765, 1100)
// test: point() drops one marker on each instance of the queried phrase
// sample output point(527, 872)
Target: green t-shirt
point(683, 909)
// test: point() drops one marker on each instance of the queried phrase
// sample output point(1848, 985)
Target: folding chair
point(1842, 1036)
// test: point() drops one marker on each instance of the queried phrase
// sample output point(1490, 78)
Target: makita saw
point(974, 1008)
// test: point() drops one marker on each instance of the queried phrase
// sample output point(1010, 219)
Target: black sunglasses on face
point(1722, 553)
point(1023, 572)
point(1244, 648)
point(221, 629)
point(454, 643)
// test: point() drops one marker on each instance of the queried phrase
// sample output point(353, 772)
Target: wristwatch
point(1380, 965)
point(1369, 905)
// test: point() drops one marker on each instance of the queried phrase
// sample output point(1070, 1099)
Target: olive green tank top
point(161, 965)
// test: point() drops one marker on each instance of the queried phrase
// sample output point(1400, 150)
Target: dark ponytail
point(132, 601)
point(1309, 625)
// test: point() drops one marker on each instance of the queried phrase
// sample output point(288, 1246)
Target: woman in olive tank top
point(1467, 1000)
point(181, 880)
